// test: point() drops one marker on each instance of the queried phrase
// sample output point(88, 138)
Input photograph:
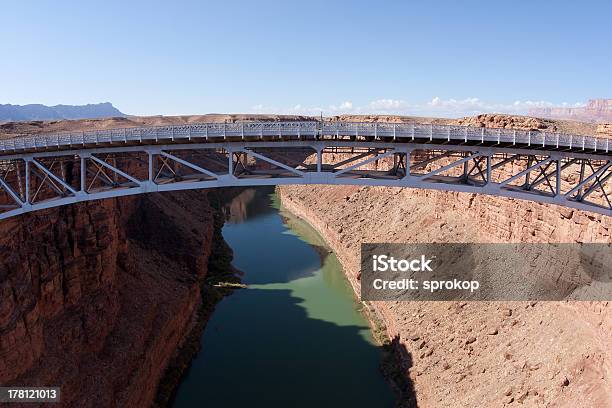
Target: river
point(295, 336)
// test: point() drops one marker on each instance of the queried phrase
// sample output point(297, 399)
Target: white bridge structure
point(50, 170)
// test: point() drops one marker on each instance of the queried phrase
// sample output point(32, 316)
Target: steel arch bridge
point(50, 170)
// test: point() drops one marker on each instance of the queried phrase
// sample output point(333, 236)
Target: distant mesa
point(596, 110)
point(42, 112)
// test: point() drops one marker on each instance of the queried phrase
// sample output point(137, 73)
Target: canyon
point(475, 353)
point(114, 287)
point(101, 298)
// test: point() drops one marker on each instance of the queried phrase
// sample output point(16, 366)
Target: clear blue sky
point(181, 57)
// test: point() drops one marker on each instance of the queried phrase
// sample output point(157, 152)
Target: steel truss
point(43, 179)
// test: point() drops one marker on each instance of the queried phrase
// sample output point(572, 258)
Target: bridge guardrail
point(307, 129)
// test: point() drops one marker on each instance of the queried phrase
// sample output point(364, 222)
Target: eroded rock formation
point(476, 353)
point(96, 297)
point(604, 130)
point(596, 110)
point(481, 353)
point(507, 122)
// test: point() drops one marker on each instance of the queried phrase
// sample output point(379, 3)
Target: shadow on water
point(249, 204)
point(284, 373)
point(263, 245)
point(294, 337)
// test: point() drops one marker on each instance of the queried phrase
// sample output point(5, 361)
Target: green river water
point(294, 337)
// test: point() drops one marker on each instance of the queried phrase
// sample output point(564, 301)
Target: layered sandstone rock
point(96, 297)
point(596, 110)
point(483, 353)
point(380, 118)
point(507, 122)
point(488, 120)
point(479, 353)
point(604, 130)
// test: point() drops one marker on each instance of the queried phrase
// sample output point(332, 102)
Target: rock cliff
point(96, 297)
point(507, 122)
point(482, 353)
point(596, 110)
point(475, 353)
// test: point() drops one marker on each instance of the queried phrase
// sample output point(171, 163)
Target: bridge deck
point(287, 131)
point(44, 171)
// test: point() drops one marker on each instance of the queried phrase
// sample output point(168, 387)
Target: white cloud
point(435, 107)
point(388, 104)
point(346, 106)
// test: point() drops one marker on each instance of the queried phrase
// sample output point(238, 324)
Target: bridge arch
point(45, 171)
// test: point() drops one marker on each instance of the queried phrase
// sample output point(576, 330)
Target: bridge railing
point(399, 131)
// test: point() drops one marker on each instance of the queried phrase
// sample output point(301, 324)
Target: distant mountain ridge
point(42, 112)
point(596, 110)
